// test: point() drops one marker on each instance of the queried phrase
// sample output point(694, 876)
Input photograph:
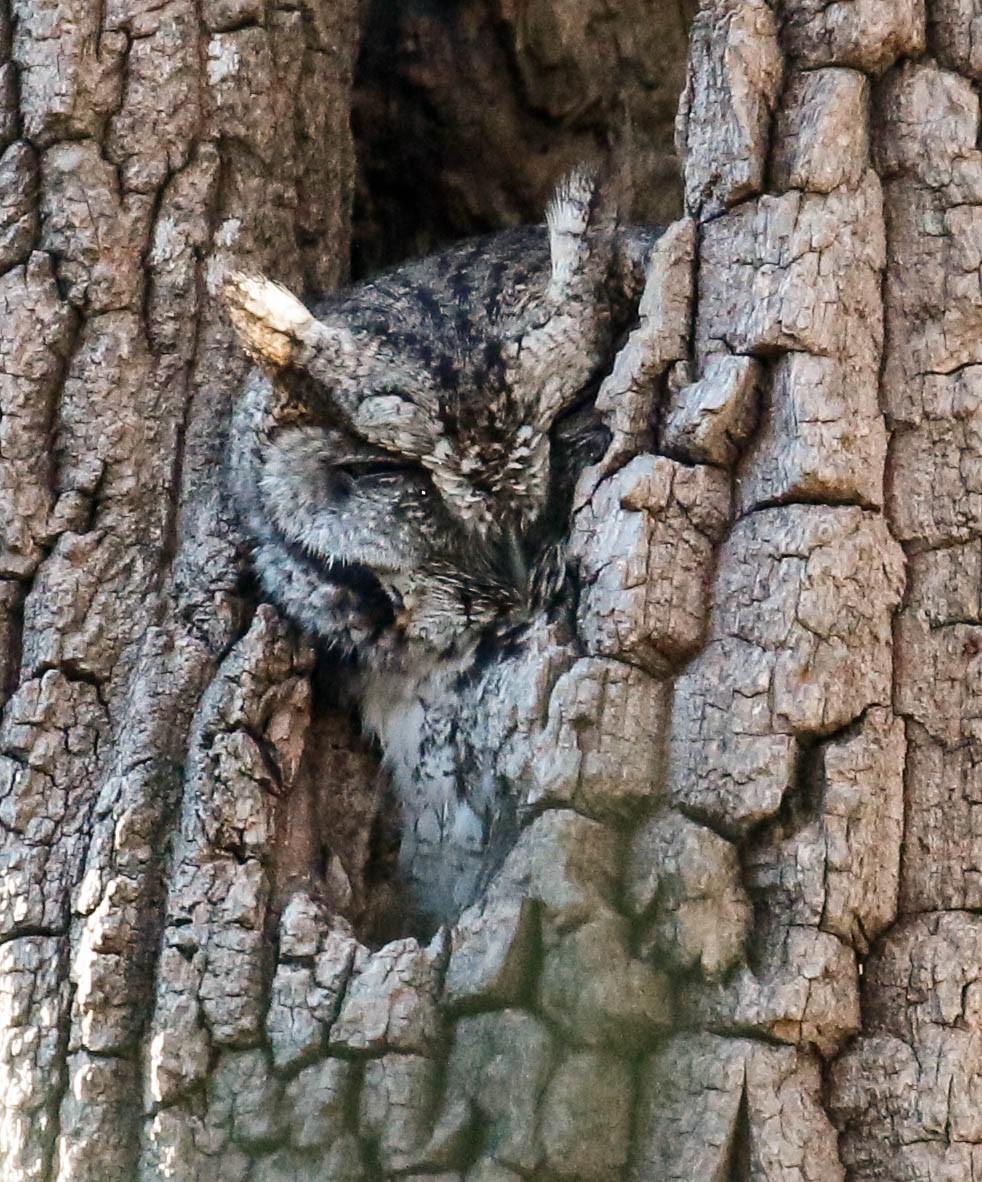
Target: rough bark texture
point(739, 938)
point(146, 145)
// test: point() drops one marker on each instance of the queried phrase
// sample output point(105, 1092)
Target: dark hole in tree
point(465, 115)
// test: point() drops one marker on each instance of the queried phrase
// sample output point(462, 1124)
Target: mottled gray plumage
point(404, 460)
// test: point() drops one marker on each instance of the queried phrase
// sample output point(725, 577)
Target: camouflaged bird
point(404, 460)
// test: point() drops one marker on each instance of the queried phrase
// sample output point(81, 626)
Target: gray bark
point(148, 146)
point(739, 938)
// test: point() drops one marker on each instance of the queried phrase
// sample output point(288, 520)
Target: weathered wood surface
point(147, 146)
point(738, 936)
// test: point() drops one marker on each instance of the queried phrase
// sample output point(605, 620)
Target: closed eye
point(357, 468)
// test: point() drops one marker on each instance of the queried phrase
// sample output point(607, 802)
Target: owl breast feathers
point(404, 459)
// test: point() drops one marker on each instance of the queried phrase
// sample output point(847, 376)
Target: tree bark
point(738, 936)
point(147, 146)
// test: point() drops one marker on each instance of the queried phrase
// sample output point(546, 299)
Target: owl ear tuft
point(564, 338)
point(277, 330)
point(568, 211)
point(574, 212)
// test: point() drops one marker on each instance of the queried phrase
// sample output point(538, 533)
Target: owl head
point(460, 364)
point(419, 428)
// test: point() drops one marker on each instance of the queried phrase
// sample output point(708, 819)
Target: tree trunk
point(738, 936)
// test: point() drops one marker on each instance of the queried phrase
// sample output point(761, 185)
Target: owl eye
point(361, 469)
point(350, 471)
point(340, 484)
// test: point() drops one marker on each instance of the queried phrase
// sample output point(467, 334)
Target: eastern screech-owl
point(404, 461)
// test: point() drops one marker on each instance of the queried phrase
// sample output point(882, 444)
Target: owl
point(403, 460)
